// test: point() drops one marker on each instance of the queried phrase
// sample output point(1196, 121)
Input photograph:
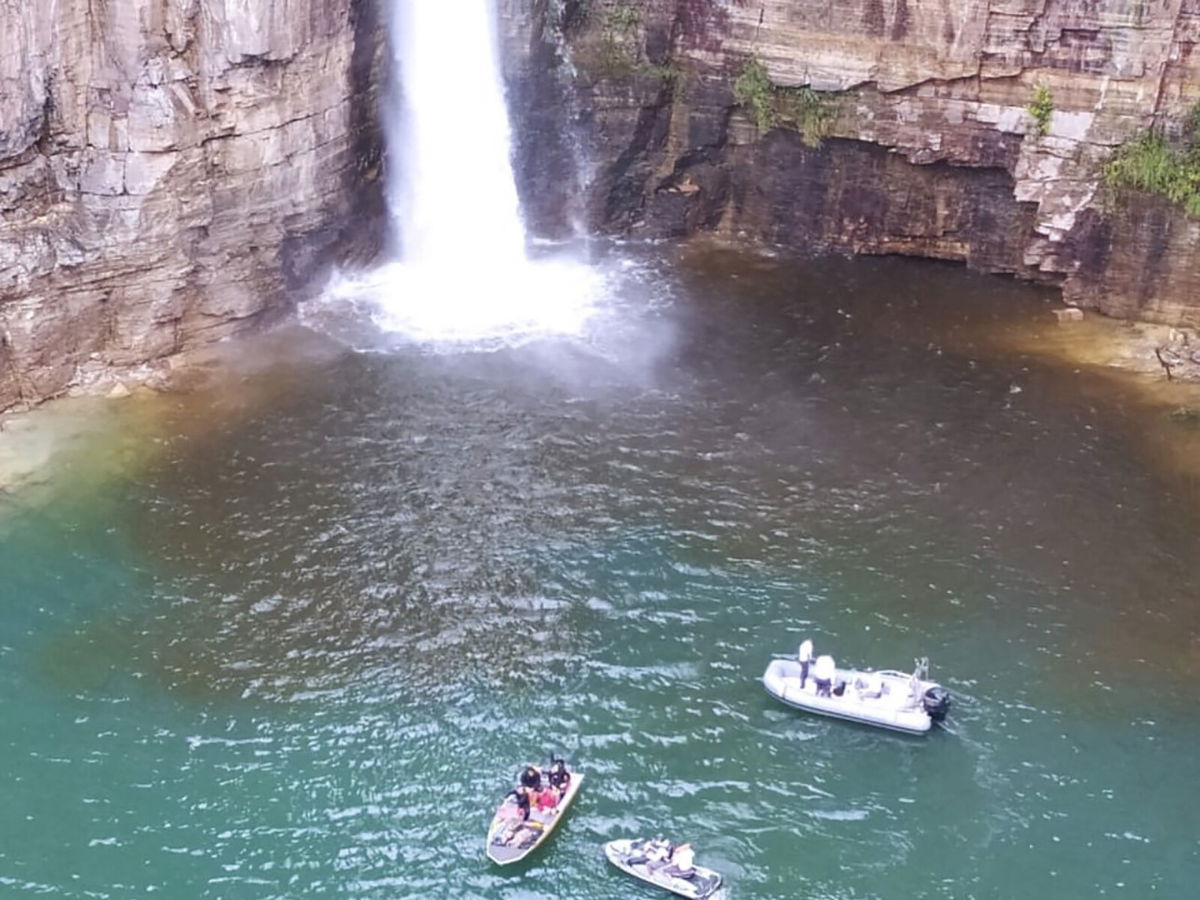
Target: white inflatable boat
point(888, 699)
point(637, 858)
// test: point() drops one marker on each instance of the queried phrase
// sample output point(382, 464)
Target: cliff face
point(928, 147)
point(170, 170)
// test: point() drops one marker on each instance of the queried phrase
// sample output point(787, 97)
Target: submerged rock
point(1185, 415)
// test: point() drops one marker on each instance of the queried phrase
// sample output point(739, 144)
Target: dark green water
point(301, 652)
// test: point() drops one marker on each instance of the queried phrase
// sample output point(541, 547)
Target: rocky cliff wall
point(929, 147)
point(170, 170)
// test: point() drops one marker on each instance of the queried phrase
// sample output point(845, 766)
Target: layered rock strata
point(930, 147)
point(170, 170)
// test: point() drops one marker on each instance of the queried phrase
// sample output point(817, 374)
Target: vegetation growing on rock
point(755, 93)
point(1041, 108)
point(1151, 162)
point(773, 106)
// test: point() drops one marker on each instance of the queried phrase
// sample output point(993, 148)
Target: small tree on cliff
point(1041, 108)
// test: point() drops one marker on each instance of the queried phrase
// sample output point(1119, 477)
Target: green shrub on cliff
point(771, 105)
point(753, 90)
point(1041, 108)
point(1151, 163)
point(808, 112)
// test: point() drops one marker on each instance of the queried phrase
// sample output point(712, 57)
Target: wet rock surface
point(170, 173)
point(931, 148)
point(174, 173)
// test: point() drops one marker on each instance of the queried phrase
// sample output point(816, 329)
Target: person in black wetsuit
point(559, 777)
point(522, 799)
point(531, 778)
point(520, 796)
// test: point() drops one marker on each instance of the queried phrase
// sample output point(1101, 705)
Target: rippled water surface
point(301, 648)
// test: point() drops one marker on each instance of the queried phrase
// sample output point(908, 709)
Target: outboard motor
point(936, 702)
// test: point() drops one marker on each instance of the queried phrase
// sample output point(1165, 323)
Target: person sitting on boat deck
point(518, 824)
point(869, 686)
point(824, 671)
point(681, 862)
point(805, 655)
point(531, 778)
point(655, 854)
point(559, 777)
point(546, 798)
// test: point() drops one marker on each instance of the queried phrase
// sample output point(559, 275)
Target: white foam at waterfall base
point(474, 303)
point(462, 274)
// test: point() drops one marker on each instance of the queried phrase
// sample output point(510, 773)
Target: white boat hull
point(704, 883)
point(898, 707)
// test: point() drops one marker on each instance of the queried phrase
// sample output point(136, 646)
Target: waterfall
point(451, 187)
point(460, 271)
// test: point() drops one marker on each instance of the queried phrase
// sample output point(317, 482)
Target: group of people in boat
point(538, 790)
point(868, 685)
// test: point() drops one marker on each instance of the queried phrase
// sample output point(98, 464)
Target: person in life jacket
point(546, 799)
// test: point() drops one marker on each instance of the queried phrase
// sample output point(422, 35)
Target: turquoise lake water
point(298, 646)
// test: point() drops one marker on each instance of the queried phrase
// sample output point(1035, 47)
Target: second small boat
point(639, 859)
point(887, 699)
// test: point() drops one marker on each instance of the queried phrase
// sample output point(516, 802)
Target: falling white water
point(461, 273)
point(451, 181)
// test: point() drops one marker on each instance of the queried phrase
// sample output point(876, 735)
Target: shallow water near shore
point(301, 648)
